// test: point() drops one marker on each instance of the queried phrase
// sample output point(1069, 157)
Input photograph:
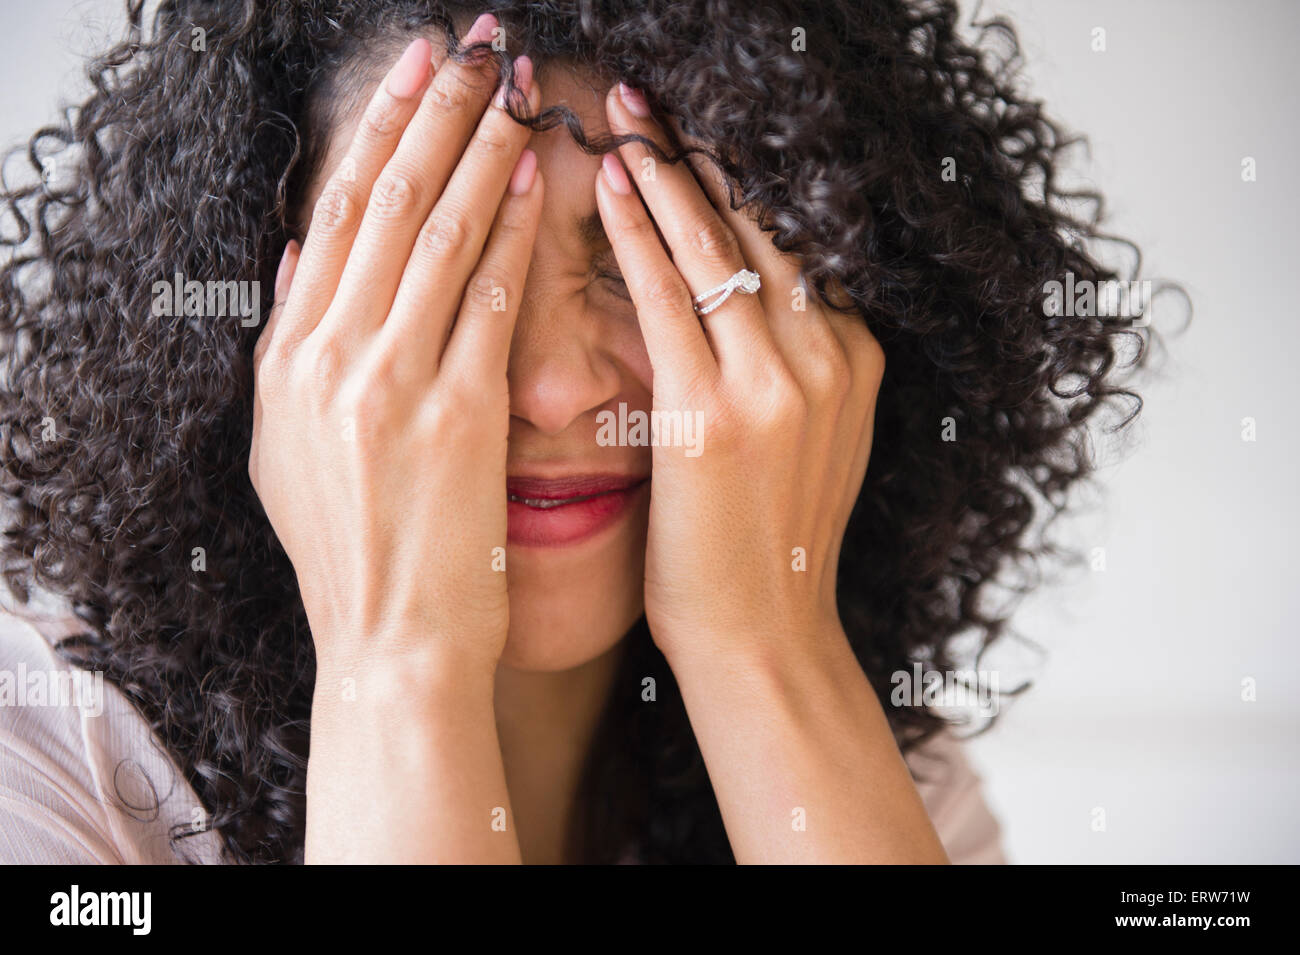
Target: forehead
point(569, 173)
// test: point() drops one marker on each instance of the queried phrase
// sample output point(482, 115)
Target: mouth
point(550, 512)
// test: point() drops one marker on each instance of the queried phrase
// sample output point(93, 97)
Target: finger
point(833, 356)
point(405, 191)
point(452, 239)
point(337, 213)
point(283, 281)
point(284, 276)
point(867, 360)
point(703, 246)
point(479, 348)
point(779, 270)
point(798, 321)
point(674, 337)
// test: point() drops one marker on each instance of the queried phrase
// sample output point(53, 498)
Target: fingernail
point(481, 31)
point(521, 180)
point(616, 175)
point(411, 70)
point(634, 100)
point(523, 80)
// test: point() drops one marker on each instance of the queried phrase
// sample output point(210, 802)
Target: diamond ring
point(745, 282)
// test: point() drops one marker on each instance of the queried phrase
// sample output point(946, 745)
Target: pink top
point(82, 779)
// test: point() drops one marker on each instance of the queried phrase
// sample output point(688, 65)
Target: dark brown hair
point(837, 121)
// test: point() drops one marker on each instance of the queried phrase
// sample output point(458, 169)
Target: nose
point(559, 370)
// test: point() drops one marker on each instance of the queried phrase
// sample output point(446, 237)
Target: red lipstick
point(551, 512)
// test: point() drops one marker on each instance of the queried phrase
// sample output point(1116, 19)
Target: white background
point(1136, 708)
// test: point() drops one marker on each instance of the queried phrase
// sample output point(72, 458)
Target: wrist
point(771, 647)
point(401, 678)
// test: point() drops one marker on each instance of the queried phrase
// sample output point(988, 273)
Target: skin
point(450, 694)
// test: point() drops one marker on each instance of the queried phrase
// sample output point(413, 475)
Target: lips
point(551, 512)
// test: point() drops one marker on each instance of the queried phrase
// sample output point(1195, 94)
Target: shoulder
point(953, 795)
point(82, 779)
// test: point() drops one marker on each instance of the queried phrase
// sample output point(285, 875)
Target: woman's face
point(575, 570)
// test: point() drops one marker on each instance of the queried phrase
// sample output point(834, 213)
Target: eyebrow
point(592, 230)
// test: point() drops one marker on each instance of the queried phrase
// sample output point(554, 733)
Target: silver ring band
point(745, 282)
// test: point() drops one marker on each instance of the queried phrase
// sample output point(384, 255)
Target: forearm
point(406, 767)
point(802, 760)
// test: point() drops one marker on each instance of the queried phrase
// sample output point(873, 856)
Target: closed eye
point(605, 270)
point(614, 280)
point(604, 266)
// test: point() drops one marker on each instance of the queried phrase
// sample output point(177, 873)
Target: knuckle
point(378, 377)
point(873, 355)
point(482, 290)
point(396, 194)
point(829, 369)
point(635, 230)
point(780, 396)
point(865, 355)
point(318, 370)
point(438, 414)
point(365, 409)
point(268, 373)
point(713, 240)
point(467, 392)
point(791, 407)
point(446, 233)
point(449, 94)
point(664, 290)
point(337, 209)
point(272, 349)
point(492, 144)
point(378, 123)
point(449, 412)
point(365, 403)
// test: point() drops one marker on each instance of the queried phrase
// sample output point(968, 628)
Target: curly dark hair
point(836, 120)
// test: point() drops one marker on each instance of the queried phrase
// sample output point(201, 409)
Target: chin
point(552, 635)
point(569, 606)
point(555, 649)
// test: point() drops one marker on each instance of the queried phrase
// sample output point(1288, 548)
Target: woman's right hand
point(381, 412)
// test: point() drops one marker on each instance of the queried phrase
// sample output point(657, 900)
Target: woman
point(539, 509)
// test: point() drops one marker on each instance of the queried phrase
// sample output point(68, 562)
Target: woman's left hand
point(744, 537)
point(745, 532)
